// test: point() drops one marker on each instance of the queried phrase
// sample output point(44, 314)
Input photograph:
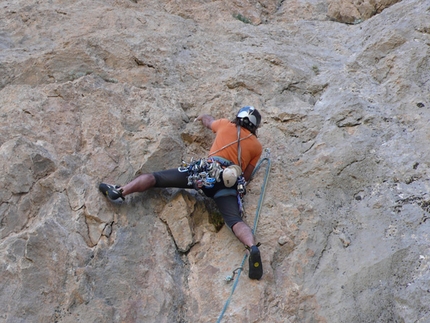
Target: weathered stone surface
point(176, 214)
point(24, 163)
point(105, 90)
point(353, 11)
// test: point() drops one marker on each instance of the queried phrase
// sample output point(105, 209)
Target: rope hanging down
point(238, 270)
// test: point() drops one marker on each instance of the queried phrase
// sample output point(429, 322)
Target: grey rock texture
point(105, 90)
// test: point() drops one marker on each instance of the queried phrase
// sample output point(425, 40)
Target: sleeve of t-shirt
point(255, 160)
point(218, 124)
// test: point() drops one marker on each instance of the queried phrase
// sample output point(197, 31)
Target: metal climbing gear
point(230, 278)
point(241, 185)
point(204, 172)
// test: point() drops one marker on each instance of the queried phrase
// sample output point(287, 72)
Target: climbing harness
point(238, 270)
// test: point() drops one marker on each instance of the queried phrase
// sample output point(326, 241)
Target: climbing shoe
point(112, 192)
point(255, 264)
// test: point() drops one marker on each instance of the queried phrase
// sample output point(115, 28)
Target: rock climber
point(221, 176)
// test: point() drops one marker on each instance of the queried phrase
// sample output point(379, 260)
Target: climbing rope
point(238, 270)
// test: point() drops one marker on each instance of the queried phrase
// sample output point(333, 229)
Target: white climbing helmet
point(249, 117)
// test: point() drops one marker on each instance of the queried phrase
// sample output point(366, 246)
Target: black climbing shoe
point(255, 264)
point(112, 192)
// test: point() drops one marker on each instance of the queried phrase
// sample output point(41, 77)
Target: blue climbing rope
point(257, 216)
point(263, 187)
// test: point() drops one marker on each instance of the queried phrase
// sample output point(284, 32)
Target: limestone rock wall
point(105, 90)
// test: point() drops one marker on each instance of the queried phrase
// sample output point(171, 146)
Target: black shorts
point(225, 198)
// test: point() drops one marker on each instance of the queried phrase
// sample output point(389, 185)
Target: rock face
point(96, 91)
point(354, 12)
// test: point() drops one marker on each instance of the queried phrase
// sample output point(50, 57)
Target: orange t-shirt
point(226, 133)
